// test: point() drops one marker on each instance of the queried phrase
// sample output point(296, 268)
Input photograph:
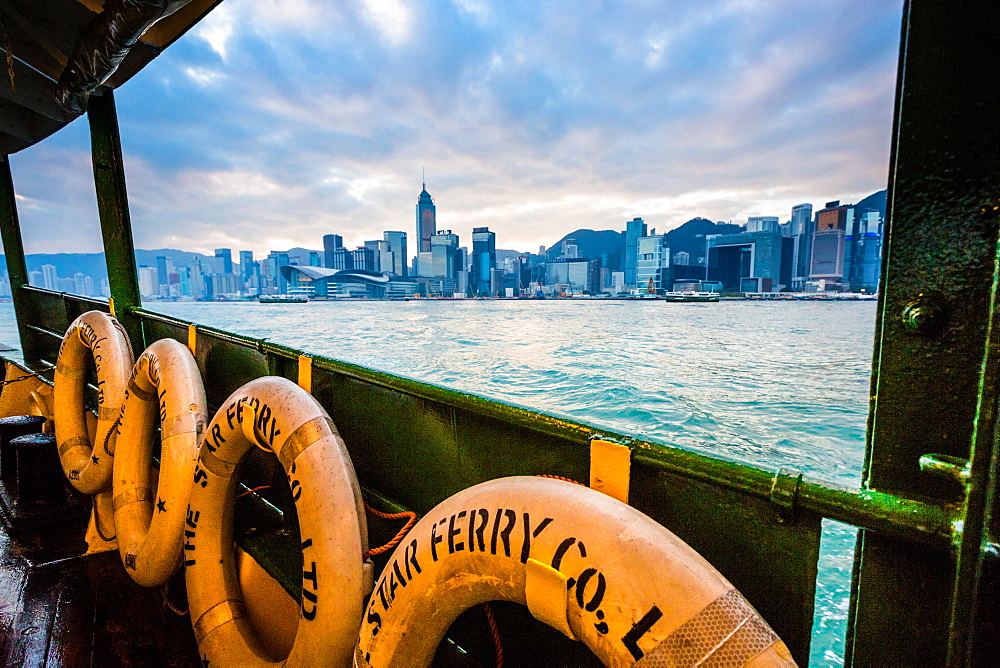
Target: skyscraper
point(397, 244)
point(331, 242)
point(802, 228)
point(444, 255)
point(226, 255)
point(426, 220)
point(634, 229)
point(484, 258)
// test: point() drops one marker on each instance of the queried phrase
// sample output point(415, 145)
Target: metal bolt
point(923, 315)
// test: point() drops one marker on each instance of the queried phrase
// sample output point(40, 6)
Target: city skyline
point(530, 120)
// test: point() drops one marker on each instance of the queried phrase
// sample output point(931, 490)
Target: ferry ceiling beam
point(934, 384)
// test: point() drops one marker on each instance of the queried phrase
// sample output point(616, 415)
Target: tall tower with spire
point(426, 220)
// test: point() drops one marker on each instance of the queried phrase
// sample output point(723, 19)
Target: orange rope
point(251, 491)
point(495, 632)
point(399, 536)
point(559, 477)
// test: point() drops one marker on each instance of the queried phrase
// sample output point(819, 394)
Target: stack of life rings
point(590, 566)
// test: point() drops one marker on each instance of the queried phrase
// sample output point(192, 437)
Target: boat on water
point(282, 299)
point(924, 590)
point(690, 296)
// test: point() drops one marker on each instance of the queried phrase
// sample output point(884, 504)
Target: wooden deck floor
point(82, 611)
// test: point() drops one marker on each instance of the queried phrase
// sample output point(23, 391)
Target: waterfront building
point(161, 269)
point(763, 224)
point(831, 246)
point(397, 246)
point(568, 274)
point(444, 256)
point(426, 220)
point(751, 255)
point(49, 277)
point(682, 258)
point(484, 259)
point(342, 259)
point(634, 230)
point(802, 228)
point(331, 242)
point(364, 258)
point(277, 260)
point(148, 285)
point(225, 257)
point(653, 262)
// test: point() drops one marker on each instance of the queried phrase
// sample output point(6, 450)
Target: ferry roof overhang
point(87, 44)
point(335, 275)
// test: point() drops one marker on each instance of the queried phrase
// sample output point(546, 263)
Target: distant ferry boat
point(690, 296)
point(282, 299)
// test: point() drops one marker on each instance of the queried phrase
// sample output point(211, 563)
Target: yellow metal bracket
point(306, 373)
point(610, 468)
point(547, 595)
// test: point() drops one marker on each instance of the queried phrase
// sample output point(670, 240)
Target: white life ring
point(588, 565)
point(165, 389)
point(277, 414)
point(98, 336)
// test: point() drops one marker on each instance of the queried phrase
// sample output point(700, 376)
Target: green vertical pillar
point(112, 205)
point(17, 268)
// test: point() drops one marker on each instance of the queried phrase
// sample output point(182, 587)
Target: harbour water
point(767, 383)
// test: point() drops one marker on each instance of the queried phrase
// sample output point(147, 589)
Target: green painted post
point(17, 268)
point(112, 205)
point(933, 390)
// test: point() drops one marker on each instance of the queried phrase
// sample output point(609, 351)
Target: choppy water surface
point(771, 384)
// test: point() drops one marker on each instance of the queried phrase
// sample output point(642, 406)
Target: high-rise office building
point(49, 277)
point(634, 230)
point(426, 220)
point(246, 265)
point(802, 228)
point(331, 242)
point(162, 272)
point(484, 258)
point(226, 257)
point(833, 243)
point(762, 224)
point(364, 258)
point(397, 245)
point(653, 262)
point(342, 259)
point(444, 255)
point(277, 260)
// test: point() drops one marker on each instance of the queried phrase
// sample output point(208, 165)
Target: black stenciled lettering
point(477, 532)
point(310, 575)
point(192, 517)
point(399, 573)
point(232, 411)
point(296, 487)
point(561, 552)
point(217, 436)
point(307, 614)
point(581, 587)
point(504, 533)
point(308, 542)
point(529, 534)
point(435, 539)
point(638, 630)
point(130, 561)
point(410, 557)
point(374, 618)
point(381, 595)
point(200, 477)
point(274, 432)
point(262, 418)
point(453, 545)
point(393, 584)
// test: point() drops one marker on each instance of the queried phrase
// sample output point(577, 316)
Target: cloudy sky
point(277, 121)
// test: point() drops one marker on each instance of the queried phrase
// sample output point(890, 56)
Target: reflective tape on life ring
point(276, 414)
point(583, 562)
point(165, 390)
point(98, 337)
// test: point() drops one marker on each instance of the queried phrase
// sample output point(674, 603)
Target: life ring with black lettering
point(586, 564)
point(277, 415)
point(97, 338)
point(165, 389)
